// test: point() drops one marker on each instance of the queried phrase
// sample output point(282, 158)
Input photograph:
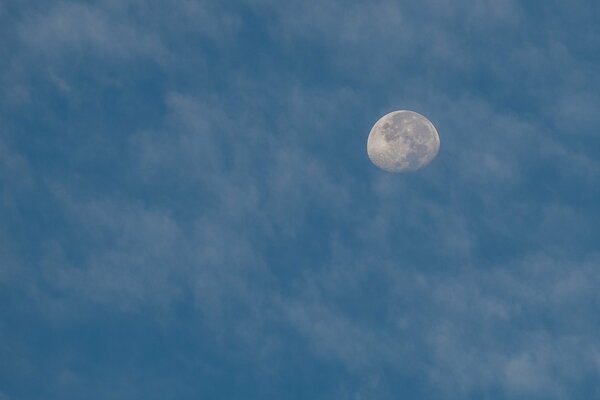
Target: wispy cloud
point(207, 184)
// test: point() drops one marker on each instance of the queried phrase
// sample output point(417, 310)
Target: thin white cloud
point(68, 26)
point(228, 197)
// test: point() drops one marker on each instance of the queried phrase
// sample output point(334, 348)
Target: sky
point(187, 209)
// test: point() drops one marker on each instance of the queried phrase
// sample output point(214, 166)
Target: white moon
point(402, 141)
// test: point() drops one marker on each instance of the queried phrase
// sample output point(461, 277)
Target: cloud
point(120, 30)
point(221, 199)
point(67, 26)
point(507, 328)
point(332, 335)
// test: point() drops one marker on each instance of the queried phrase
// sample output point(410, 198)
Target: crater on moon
point(402, 141)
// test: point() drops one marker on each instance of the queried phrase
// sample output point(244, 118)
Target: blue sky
point(187, 210)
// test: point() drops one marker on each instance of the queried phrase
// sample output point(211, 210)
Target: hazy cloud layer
point(187, 208)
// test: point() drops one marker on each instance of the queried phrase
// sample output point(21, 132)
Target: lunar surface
point(402, 141)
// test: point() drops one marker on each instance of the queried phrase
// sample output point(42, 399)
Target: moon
point(402, 141)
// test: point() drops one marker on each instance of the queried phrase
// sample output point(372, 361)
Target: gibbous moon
point(402, 141)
